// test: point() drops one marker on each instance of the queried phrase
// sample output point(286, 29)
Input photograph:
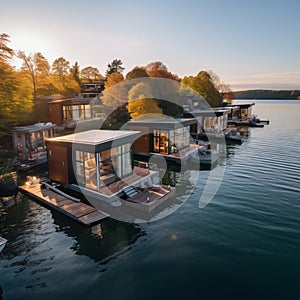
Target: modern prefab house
point(171, 139)
point(93, 158)
point(68, 112)
point(208, 121)
point(239, 111)
point(99, 162)
point(164, 136)
point(29, 143)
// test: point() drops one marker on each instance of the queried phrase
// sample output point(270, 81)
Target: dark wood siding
point(55, 113)
point(193, 129)
point(142, 144)
point(58, 163)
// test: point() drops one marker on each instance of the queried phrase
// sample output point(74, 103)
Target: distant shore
point(267, 94)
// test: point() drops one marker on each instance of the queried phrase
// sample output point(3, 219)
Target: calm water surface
point(244, 245)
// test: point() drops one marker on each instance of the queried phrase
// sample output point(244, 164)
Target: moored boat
point(233, 136)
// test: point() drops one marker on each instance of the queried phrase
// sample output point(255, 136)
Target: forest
point(25, 92)
point(268, 94)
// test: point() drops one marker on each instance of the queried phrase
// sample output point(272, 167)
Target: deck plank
point(79, 211)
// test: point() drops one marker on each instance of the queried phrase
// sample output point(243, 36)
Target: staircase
point(130, 191)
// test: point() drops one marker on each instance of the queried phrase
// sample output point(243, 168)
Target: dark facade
point(92, 159)
point(164, 136)
point(69, 111)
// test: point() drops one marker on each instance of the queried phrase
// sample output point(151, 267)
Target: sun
point(32, 42)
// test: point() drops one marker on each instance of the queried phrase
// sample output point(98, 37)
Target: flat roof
point(33, 128)
point(96, 140)
point(163, 123)
point(216, 112)
point(71, 101)
point(244, 105)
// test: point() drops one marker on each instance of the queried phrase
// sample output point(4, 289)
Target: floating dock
point(79, 211)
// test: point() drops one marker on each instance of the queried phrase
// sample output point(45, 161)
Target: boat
point(248, 122)
point(3, 242)
point(204, 158)
point(233, 136)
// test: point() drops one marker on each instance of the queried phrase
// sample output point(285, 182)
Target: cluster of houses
point(114, 163)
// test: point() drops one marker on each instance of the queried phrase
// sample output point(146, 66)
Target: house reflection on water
point(104, 240)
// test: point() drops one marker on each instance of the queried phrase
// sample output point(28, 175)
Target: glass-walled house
point(208, 121)
point(239, 111)
point(92, 159)
point(69, 111)
point(163, 136)
point(29, 141)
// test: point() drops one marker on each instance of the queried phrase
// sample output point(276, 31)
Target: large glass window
point(182, 137)
point(112, 165)
point(73, 113)
point(156, 140)
point(210, 124)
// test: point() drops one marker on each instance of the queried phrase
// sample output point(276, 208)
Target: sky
point(249, 44)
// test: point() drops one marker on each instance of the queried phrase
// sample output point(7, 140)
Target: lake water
point(245, 244)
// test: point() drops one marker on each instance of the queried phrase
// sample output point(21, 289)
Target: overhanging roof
point(33, 128)
point(163, 123)
point(96, 140)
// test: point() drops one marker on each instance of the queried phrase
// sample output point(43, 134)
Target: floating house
point(29, 144)
point(169, 138)
point(240, 111)
point(68, 112)
point(99, 163)
point(213, 125)
point(208, 121)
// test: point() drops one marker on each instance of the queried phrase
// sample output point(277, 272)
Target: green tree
point(137, 72)
point(90, 74)
point(202, 83)
point(15, 92)
point(114, 66)
point(37, 68)
point(61, 68)
point(75, 73)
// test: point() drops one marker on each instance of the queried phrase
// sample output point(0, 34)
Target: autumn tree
point(115, 92)
point(114, 66)
point(62, 80)
point(15, 93)
point(6, 53)
point(158, 69)
point(61, 67)
point(37, 68)
point(90, 74)
point(113, 79)
point(202, 83)
point(141, 103)
point(225, 92)
point(137, 72)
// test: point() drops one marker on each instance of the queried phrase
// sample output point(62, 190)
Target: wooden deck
point(180, 155)
point(150, 198)
point(116, 187)
point(79, 211)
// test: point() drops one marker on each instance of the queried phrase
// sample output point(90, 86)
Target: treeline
point(268, 94)
point(24, 93)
